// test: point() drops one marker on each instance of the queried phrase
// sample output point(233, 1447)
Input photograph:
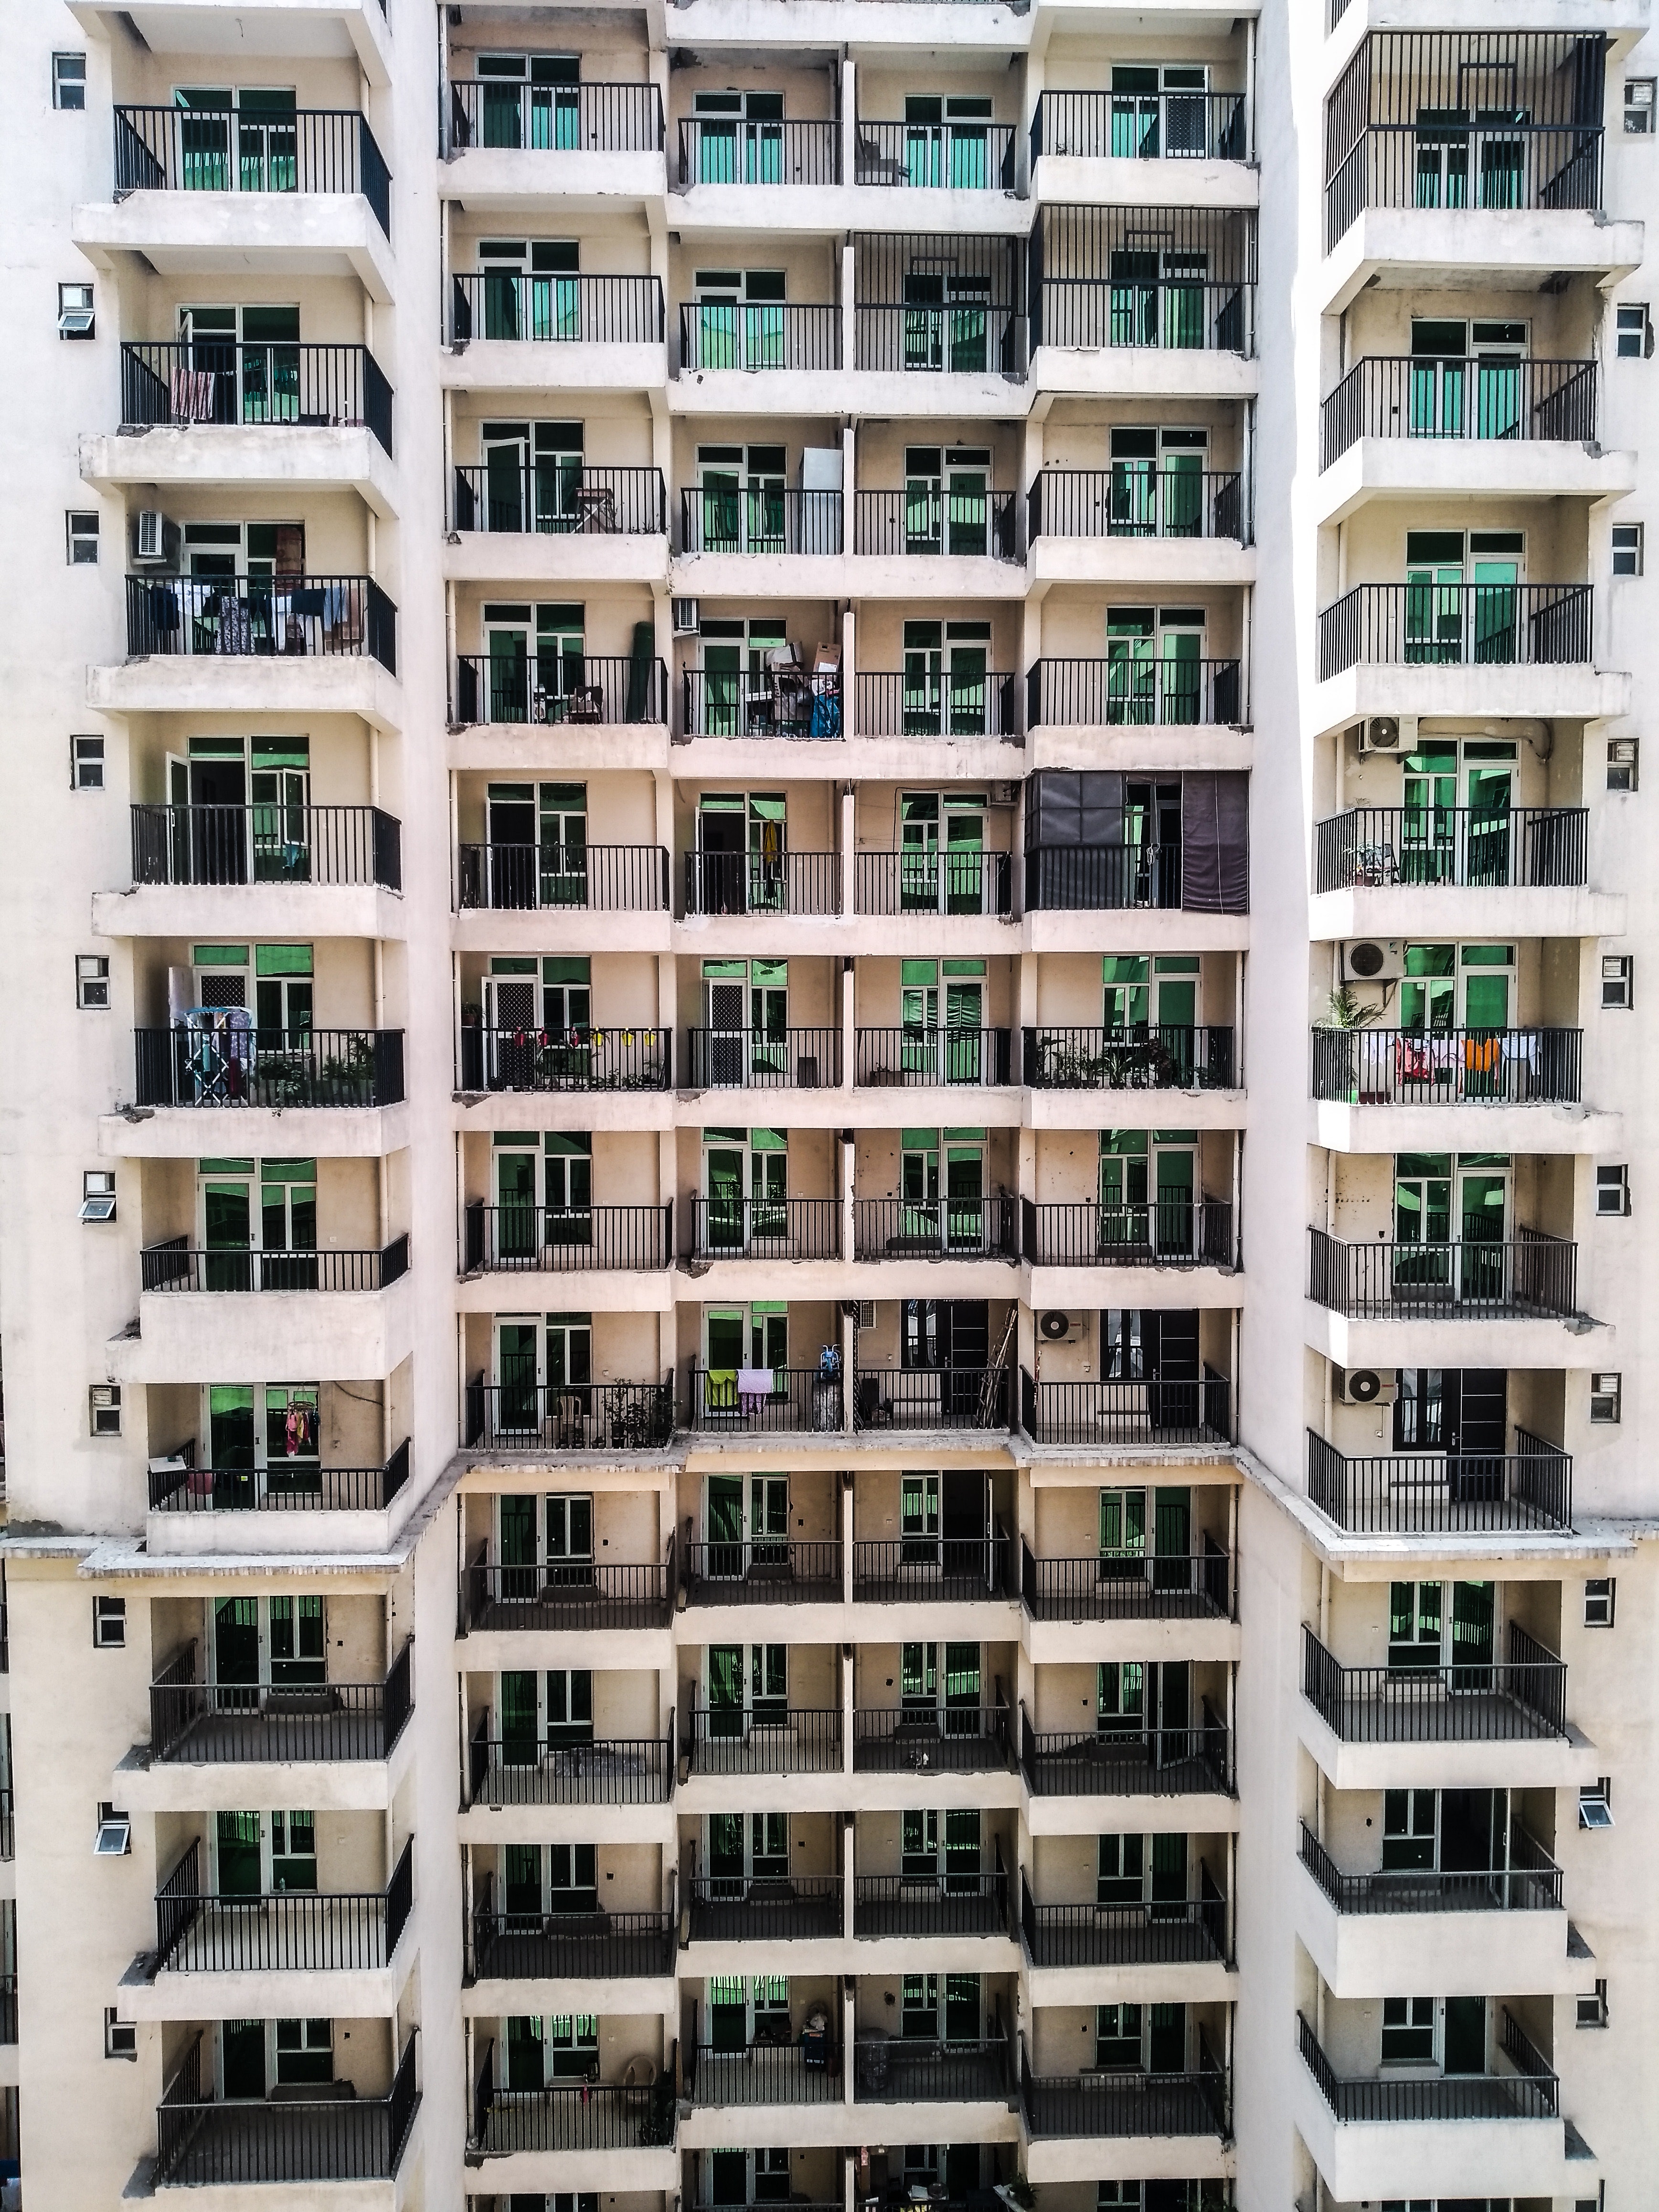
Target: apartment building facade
point(747, 705)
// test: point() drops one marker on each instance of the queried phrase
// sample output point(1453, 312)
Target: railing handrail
point(1396, 1491)
point(1530, 1882)
point(1446, 397)
point(1527, 1274)
point(1467, 1700)
point(1394, 623)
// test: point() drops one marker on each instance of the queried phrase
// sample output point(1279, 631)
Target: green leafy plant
point(1343, 1010)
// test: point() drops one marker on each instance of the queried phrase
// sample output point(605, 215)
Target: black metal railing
point(1522, 2095)
point(912, 1059)
point(1128, 1586)
point(575, 1594)
point(1435, 625)
point(7, 1830)
point(1424, 396)
point(204, 2141)
point(944, 1228)
point(588, 878)
point(1103, 879)
point(789, 1399)
point(571, 310)
point(224, 149)
point(272, 381)
point(1166, 1232)
point(565, 1240)
point(588, 117)
point(1422, 1067)
point(782, 704)
point(592, 1945)
point(1473, 1700)
point(974, 157)
point(1112, 2105)
point(1530, 1882)
point(1163, 1932)
point(283, 1931)
point(1169, 314)
point(933, 1739)
point(784, 1570)
point(970, 340)
point(752, 334)
point(1152, 1410)
point(1145, 1056)
point(578, 1059)
point(925, 1570)
point(1092, 694)
point(212, 1063)
point(885, 1905)
point(529, 1770)
point(764, 519)
point(931, 1398)
point(956, 704)
point(762, 883)
point(956, 880)
point(267, 844)
point(231, 1723)
point(730, 149)
point(764, 1740)
point(564, 496)
point(1517, 1278)
point(264, 618)
point(569, 2116)
point(918, 522)
point(8, 2008)
point(914, 2069)
point(1451, 847)
point(759, 2073)
point(173, 1264)
point(763, 1060)
point(1424, 1493)
point(1139, 126)
point(529, 1416)
point(582, 687)
point(1138, 1761)
point(1129, 501)
point(179, 1484)
point(1456, 164)
point(765, 1229)
point(764, 1908)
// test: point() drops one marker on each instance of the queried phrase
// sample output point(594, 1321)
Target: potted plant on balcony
point(1347, 1014)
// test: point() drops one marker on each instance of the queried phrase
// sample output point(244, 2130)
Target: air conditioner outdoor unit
point(1373, 960)
point(156, 537)
point(1058, 1327)
point(1365, 1386)
point(1005, 794)
point(685, 617)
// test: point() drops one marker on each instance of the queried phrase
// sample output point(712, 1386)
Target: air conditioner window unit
point(1373, 960)
point(1056, 1328)
point(685, 617)
point(156, 537)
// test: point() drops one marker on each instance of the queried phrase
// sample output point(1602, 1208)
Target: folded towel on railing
point(191, 393)
point(754, 1383)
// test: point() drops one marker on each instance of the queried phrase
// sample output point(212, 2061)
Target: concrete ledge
point(1079, 1643)
point(524, 1291)
point(1545, 1762)
point(226, 234)
point(1206, 1981)
point(1161, 564)
point(487, 1825)
point(1159, 749)
point(531, 365)
point(821, 211)
point(1543, 1342)
point(1214, 1290)
point(631, 1994)
point(558, 749)
point(915, 579)
point(1150, 2158)
point(543, 2172)
point(520, 556)
point(1461, 1128)
point(1113, 180)
point(711, 2126)
point(265, 29)
point(353, 1994)
point(1472, 468)
point(931, 26)
point(1366, 2160)
point(248, 683)
point(1368, 1955)
point(217, 910)
point(1168, 372)
point(362, 1785)
point(1140, 929)
point(1568, 692)
point(530, 929)
point(490, 1652)
point(208, 455)
point(608, 1110)
point(503, 180)
point(187, 1132)
point(1503, 248)
point(339, 1335)
point(869, 759)
point(1201, 1812)
point(1163, 1109)
point(1432, 910)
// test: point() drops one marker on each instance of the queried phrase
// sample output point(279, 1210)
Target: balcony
point(782, 883)
point(942, 1228)
point(205, 2142)
point(764, 2073)
point(930, 1398)
point(1529, 1276)
point(580, 878)
point(566, 1596)
point(173, 1266)
point(1128, 1586)
point(569, 1945)
point(598, 689)
point(1144, 1057)
point(750, 337)
point(195, 1723)
point(1444, 400)
point(763, 1060)
point(731, 150)
point(765, 523)
point(179, 1484)
point(764, 1740)
point(891, 704)
point(782, 701)
point(573, 1060)
point(1111, 2106)
point(578, 311)
point(907, 320)
point(588, 117)
point(567, 498)
point(958, 881)
point(603, 1770)
point(1187, 1232)
point(933, 1570)
point(566, 1240)
point(792, 1399)
point(1456, 626)
point(784, 1909)
point(1139, 126)
point(319, 846)
point(786, 1572)
point(525, 1416)
point(1432, 1493)
point(1169, 1932)
point(1153, 1411)
point(211, 1063)
point(922, 526)
point(1475, 1701)
point(288, 1931)
point(1153, 1762)
point(929, 1739)
point(1531, 1882)
point(929, 1059)
point(950, 157)
point(1528, 2090)
point(918, 2070)
point(1447, 1067)
point(923, 1906)
point(573, 2116)
point(199, 149)
point(1133, 694)
point(1388, 847)
point(1169, 279)
point(221, 383)
point(1129, 501)
point(263, 618)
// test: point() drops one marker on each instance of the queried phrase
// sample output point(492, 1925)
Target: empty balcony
point(1436, 1492)
point(1155, 2073)
point(521, 1931)
point(1141, 502)
point(1526, 1276)
point(1476, 1698)
point(531, 2094)
point(1177, 1402)
point(968, 1892)
point(1098, 284)
point(511, 1760)
point(943, 143)
point(621, 315)
point(260, 149)
point(789, 1723)
point(763, 1878)
point(563, 1594)
point(1182, 1922)
point(173, 1266)
point(1134, 1754)
point(217, 383)
point(953, 1549)
point(577, 1239)
point(756, 1558)
point(780, 883)
point(744, 139)
point(538, 104)
point(730, 336)
point(960, 1724)
point(1152, 113)
point(289, 1931)
point(1130, 1584)
point(265, 844)
point(911, 317)
point(279, 2133)
point(300, 1716)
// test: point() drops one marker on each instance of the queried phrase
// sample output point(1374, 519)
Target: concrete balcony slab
point(1472, 468)
point(1159, 749)
point(858, 754)
point(1467, 1127)
point(501, 365)
point(1206, 1981)
point(1368, 1955)
point(1545, 1342)
point(225, 910)
point(339, 1335)
point(503, 558)
point(1203, 1812)
point(857, 576)
point(572, 181)
point(486, 929)
point(1162, 564)
point(703, 213)
point(636, 1994)
point(1369, 2160)
point(1164, 1110)
point(1134, 929)
point(1168, 374)
point(249, 684)
point(1150, 2158)
point(188, 1133)
point(481, 1823)
point(546, 2173)
point(234, 233)
point(1085, 1643)
point(355, 1994)
point(1427, 911)
point(558, 749)
point(1567, 691)
point(1214, 1289)
point(291, 456)
point(1540, 1762)
point(601, 1291)
point(265, 30)
point(1083, 180)
point(1438, 248)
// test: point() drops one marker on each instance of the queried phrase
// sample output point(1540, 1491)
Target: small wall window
point(1593, 2007)
point(1596, 1803)
point(69, 82)
point(91, 980)
point(1628, 549)
point(104, 1408)
point(1639, 107)
point(121, 2036)
point(1612, 1189)
point(1599, 1593)
point(1618, 981)
point(1606, 1398)
point(86, 764)
point(1623, 763)
point(74, 315)
point(98, 1195)
point(1635, 339)
point(81, 533)
point(109, 1623)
